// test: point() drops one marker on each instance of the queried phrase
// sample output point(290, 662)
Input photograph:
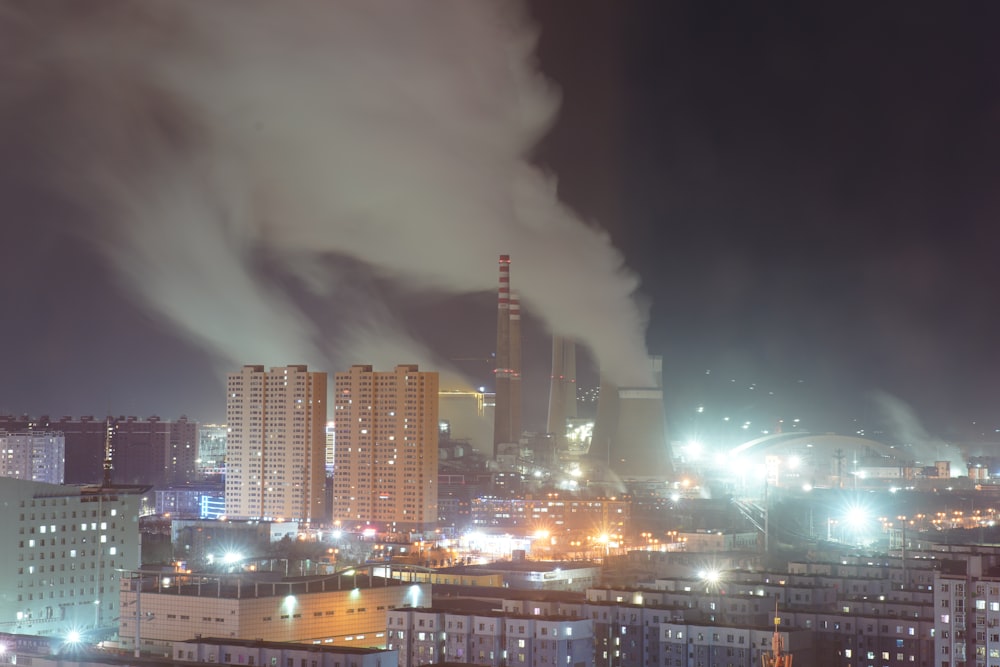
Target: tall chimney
point(562, 388)
point(515, 366)
point(555, 425)
point(501, 413)
point(569, 372)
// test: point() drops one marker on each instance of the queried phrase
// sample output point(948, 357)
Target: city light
point(232, 557)
point(710, 576)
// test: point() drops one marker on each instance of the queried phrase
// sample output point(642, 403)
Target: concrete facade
point(333, 609)
point(386, 458)
point(275, 447)
point(65, 548)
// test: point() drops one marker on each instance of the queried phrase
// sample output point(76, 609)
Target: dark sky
point(806, 190)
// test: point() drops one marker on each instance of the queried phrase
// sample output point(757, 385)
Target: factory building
point(338, 609)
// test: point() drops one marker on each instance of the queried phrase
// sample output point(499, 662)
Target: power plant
point(562, 387)
point(505, 430)
point(630, 433)
point(629, 436)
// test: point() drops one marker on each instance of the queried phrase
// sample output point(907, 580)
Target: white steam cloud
point(902, 421)
point(226, 153)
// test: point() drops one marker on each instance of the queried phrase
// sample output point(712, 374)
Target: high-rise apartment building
point(385, 463)
point(276, 443)
point(37, 456)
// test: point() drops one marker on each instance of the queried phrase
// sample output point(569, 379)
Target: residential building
point(263, 653)
point(148, 451)
point(275, 444)
point(197, 501)
point(431, 635)
point(65, 549)
point(37, 456)
point(386, 458)
point(211, 461)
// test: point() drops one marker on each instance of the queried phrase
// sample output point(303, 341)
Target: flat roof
point(260, 643)
point(237, 586)
point(519, 566)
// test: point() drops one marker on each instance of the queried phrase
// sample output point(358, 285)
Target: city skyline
point(804, 199)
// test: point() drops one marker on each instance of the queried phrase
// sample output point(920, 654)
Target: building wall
point(212, 448)
point(385, 463)
point(333, 611)
point(276, 443)
point(283, 655)
point(63, 552)
point(426, 636)
point(38, 456)
point(149, 451)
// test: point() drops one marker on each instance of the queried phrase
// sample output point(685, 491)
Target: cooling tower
point(630, 434)
point(562, 387)
point(501, 418)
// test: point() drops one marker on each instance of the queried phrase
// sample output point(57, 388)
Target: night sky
point(807, 192)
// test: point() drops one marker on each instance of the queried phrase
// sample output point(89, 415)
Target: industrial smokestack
point(501, 413)
point(515, 366)
point(562, 387)
point(569, 370)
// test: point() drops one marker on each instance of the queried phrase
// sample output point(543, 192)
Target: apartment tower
point(276, 444)
point(386, 459)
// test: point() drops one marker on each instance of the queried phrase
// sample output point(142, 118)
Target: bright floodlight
point(794, 462)
point(231, 557)
point(73, 637)
point(856, 516)
point(710, 576)
point(693, 450)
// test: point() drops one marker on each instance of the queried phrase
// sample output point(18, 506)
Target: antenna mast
point(106, 481)
point(777, 658)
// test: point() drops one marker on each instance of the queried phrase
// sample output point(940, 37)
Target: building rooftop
point(260, 643)
point(520, 566)
point(252, 585)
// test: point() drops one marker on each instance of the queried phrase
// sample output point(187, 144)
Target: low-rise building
point(429, 635)
point(63, 554)
point(256, 652)
point(338, 609)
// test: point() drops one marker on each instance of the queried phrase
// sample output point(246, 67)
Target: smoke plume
point(903, 423)
point(228, 157)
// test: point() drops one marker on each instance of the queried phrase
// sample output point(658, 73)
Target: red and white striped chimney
point(515, 366)
point(501, 412)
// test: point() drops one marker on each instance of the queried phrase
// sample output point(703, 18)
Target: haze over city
point(792, 205)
